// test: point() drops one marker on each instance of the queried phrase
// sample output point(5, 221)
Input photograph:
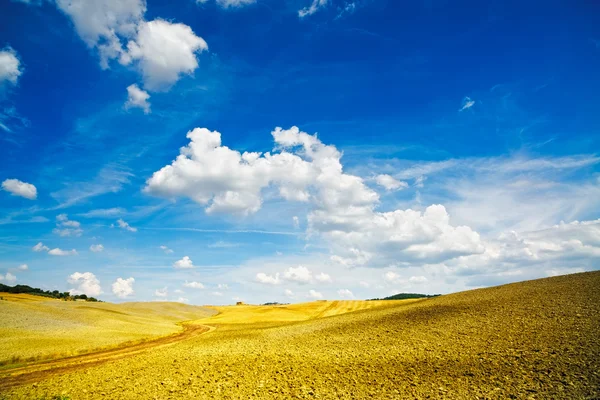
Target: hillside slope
point(34, 327)
point(536, 339)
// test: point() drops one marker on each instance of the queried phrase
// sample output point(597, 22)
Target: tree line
point(404, 296)
point(55, 294)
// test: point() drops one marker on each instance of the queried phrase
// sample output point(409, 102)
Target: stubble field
point(536, 339)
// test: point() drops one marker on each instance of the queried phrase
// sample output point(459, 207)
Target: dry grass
point(535, 339)
point(38, 328)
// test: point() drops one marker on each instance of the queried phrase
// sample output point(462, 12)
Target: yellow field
point(536, 339)
point(35, 328)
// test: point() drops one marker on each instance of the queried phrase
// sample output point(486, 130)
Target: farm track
point(38, 371)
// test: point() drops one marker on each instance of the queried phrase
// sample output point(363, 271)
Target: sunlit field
point(37, 328)
point(535, 339)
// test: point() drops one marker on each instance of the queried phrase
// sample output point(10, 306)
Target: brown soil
point(531, 340)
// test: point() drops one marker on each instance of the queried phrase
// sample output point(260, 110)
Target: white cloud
point(102, 23)
point(345, 293)
point(313, 294)
point(40, 247)
point(230, 3)
point(86, 283)
point(323, 277)
point(420, 180)
point(288, 293)
point(23, 267)
point(298, 274)
point(467, 103)
point(261, 277)
point(296, 222)
point(96, 248)
point(159, 49)
point(166, 250)
point(123, 288)
point(103, 213)
point(390, 183)
point(10, 66)
point(182, 300)
point(19, 188)
point(184, 263)
point(343, 212)
point(8, 278)
point(163, 51)
point(164, 292)
point(124, 225)
point(59, 252)
point(137, 98)
point(219, 294)
point(225, 180)
point(315, 6)
point(223, 286)
point(178, 291)
point(66, 227)
point(193, 285)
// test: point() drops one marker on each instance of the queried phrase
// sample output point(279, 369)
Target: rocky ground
point(531, 340)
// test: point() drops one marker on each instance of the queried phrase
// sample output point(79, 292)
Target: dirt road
point(37, 371)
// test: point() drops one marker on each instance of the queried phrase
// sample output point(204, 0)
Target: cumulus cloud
point(86, 283)
point(345, 293)
point(315, 6)
point(10, 67)
point(124, 225)
point(59, 252)
point(261, 277)
point(304, 169)
point(102, 24)
point(298, 274)
point(288, 293)
point(313, 294)
point(123, 288)
point(40, 247)
point(19, 188)
point(66, 227)
point(193, 285)
point(161, 50)
point(137, 98)
point(467, 103)
point(164, 292)
point(166, 250)
point(96, 248)
point(390, 183)
point(184, 263)
point(23, 267)
point(8, 278)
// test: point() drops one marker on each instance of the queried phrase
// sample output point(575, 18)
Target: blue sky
point(440, 146)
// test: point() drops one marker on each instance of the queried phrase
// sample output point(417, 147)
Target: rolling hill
point(535, 339)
